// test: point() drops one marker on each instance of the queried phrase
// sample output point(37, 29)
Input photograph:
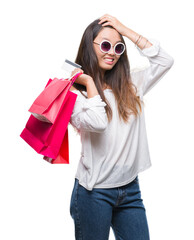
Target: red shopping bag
point(48, 104)
point(63, 156)
point(46, 138)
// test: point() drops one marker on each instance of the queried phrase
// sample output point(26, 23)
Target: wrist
point(89, 81)
point(130, 34)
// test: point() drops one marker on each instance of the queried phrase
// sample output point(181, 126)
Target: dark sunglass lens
point(119, 48)
point(105, 46)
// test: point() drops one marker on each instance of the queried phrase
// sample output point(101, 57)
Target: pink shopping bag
point(48, 104)
point(46, 138)
point(63, 156)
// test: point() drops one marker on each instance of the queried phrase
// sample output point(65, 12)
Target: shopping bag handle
point(74, 77)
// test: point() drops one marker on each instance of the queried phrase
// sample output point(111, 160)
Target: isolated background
point(36, 37)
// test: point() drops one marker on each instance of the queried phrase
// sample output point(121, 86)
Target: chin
point(106, 68)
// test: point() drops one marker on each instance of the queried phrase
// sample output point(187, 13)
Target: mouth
point(109, 61)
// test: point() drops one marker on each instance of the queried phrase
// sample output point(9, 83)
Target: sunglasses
point(105, 47)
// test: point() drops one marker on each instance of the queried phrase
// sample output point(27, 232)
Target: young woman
point(109, 116)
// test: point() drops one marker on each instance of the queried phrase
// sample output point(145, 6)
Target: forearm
point(107, 20)
point(136, 38)
point(91, 88)
point(88, 82)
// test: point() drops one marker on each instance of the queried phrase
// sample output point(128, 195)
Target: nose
point(111, 51)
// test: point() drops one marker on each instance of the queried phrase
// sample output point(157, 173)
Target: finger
point(107, 24)
point(105, 21)
point(105, 18)
point(102, 20)
point(77, 70)
point(106, 15)
point(109, 20)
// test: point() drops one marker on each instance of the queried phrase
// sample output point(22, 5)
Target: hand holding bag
point(48, 104)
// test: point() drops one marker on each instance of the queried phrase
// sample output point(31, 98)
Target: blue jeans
point(121, 208)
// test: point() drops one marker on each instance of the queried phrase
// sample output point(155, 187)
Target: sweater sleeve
point(160, 63)
point(89, 114)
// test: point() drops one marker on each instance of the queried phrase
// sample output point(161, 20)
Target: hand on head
point(108, 20)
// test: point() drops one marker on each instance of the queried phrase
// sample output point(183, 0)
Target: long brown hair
point(118, 78)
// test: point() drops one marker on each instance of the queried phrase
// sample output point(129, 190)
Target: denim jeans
point(121, 208)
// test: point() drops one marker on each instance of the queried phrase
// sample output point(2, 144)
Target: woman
point(109, 116)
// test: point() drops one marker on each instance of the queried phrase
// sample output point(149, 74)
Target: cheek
point(100, 56)
point(117, 59)
point(97, 51)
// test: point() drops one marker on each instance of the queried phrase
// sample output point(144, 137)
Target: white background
point(36, 37)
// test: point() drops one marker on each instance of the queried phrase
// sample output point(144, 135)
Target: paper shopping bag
point(63, 156)
point(48, 104)
point(46, 138)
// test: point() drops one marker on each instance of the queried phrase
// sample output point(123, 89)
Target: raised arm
point(160, 60)
point(87, 81)
point(89, 113)
point(137, 39)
